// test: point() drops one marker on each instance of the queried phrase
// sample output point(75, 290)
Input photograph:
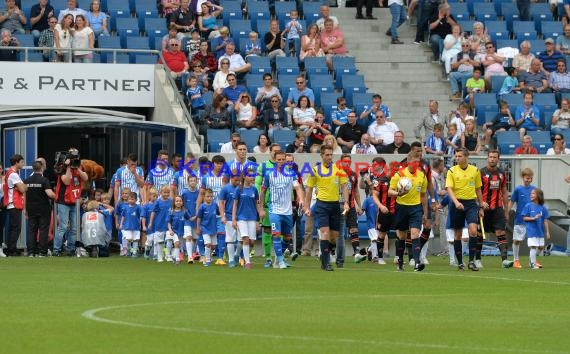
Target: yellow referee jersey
point(464, 182)
point(327, 182)
point(419, 186)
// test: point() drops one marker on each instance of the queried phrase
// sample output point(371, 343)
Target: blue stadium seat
point(359, 100)
point(62, 5)
point(232, 11)
point(311, 12)
point(540, 12)
point(258, 10)
point(490, 116)
point(216, 138)
point(541, 140)
point(484, 11)
point(120, 58)
point(25, 40)
point(508, 141)
point(283, 11)
point(459, 11)
point(466, 25)
point(471, 4)
point(498, 5)
point(145, 59)
point(285, 84)
point(261, 27)
point(155, 27)
point(34, 57)
point(484, 102)
point(118, 9)
point(497, 30)
point(510, 13)
point(108, 42)
point(328, 104)
point(546, 117)
point(566, 134)
point(142, 14)
point(287, 65)
point(249, 137)
point(551, 29)
point(514, 100)
point(497, 83)
point(155, 43)
point(143, 5)
point(239, 29)
point(545, 101)
point(353, 84)
point(343, 66)
point(260, 65)
point(524, 30)
point(127, 27)
point(284, 137)
point(253, 82)
point(320, 84)
point(537, 46)
point(316, 65)
point(136, 43)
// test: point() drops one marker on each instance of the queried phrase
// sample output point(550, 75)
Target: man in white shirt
point(230, 147)
point(71, 9)
point(325, 10)
point(382, 132)
point(14, 189)
point(237, 63)
point(364, 147)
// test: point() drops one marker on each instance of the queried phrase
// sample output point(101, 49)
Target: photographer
point(14, 190)
point(317, 131)
point(8, 41)
point(298, 145)
point(68, 192)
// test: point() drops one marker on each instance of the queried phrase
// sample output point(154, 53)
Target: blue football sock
point(277, 246)
point(221, 246)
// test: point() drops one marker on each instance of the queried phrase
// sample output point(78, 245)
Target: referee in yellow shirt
point(411, 209)
point(463, 185)
point(327, 178)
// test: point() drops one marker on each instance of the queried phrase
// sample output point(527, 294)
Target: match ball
point(404, 184)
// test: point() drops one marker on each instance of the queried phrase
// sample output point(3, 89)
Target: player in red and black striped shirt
point(386, 207)
point(493, 208)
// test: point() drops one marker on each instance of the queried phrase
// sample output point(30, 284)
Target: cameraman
point(8, 41)
point(68, 192)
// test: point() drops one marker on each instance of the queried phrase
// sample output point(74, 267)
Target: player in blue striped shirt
point(129, 176)
point(161, 174)
point(225, 205)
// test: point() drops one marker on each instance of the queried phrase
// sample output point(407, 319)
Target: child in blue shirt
point(245, 215)
point(125, 193)
point(147, 211)
point(535, 217)
point(435, 144)
point(520, 197)
point(252, 46)
point(176, 220)
point(206, 224)
point(131, 224)
point(194, 94)
point(190, 197)
point(371, 211)
point(293, 30)
point(159, 219)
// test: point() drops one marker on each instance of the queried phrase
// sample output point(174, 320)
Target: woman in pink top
point(493, 64)
point(332, 42)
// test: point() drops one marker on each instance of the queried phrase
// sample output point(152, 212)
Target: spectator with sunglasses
point(175, 59)
point(275, 117)
point(558, 146)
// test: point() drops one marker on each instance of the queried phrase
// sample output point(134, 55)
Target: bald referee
point(327, 177)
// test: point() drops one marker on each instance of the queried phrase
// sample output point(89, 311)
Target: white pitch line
point(93, 316)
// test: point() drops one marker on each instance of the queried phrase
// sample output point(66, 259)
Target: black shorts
point(469, 214)
point(408, 217)
point(385, 221)
point(352, 219)
point(328, 214)
point(494, 220)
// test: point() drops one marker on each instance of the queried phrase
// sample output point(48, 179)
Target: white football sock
point(423, 252)
point(533, 255)
point(208, 253)
point(516, 249)
point(451, 252)
point(135, 247)
point(374, 249)
point(176, 254)
point(189, 249)
point(158, 251)
point(168, 248)
point(231, 250)
point(246, 252)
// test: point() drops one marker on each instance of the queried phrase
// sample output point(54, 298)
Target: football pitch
point(119, 305)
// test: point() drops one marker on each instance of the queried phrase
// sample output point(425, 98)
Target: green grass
point(147, 307)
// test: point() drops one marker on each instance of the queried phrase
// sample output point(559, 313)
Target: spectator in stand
point(550, 56)
point(220, 42)
point(175, 60)
point(206, 59)
point(292, 33)
point(237, 63)
point(398, 18)
point(435, 143)
point(296, 92)
point(427, 9)
point(462, 68)
point(194, 93)
point(274, 41)
point(559, 80)
point(368, 115)
point(527, 116)
point(216, 116)
point(439, 27)
point(470, 137)
point(220, 80)
point(172, 34)
point(451, 47)
point(12, 18)
point(230, 147)
point(561, 118)
point(263, 144)
point(332, 42)
point(83, 38)
point(233, 91)
point(523, 60)
point(47, 39)
point(97, 19)
point(479, 38)
point(39, 18)
point(474, 85)
point(252, 46)
point(72, 8)
point(524, 9)
point(317, 131)
point(168, 7)
point(325, 15)
point(275, 117)
point(62, 38)
point(503, 121)
point(207, 22)
point(331, 142)
point(349, 134)
point(510, 83)
point(369, 7)
point(563, 43)
point(431, 118)
point(382, 132)
point(201, 77)
point(339, 116)
point(266, 92)
point(458, 117)
point(311, 43)
point(363, 147)
point(7, 40)
point(558, 146)
point(298, 145)
point(304, 114)
point(526, 147)
point(399, 146)
point(246, 113)
point(183, 18)
point(534, 80)
point(493, 64)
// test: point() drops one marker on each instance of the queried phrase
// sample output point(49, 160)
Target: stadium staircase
point(402, 74)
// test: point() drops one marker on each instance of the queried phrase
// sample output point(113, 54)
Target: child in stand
point(131, 224)
point(206, 224)
point(520, 197)
point(470, 138)
point(159, 219)
point(245, 215)
point(225, 204)
point(371, 210)
point(147, 211)
point(193, 45)
point(190, 196)
point(252, 46)
point(474, 86)
point(435, 144)
point(125, 193)
point(194, 94)
point(200, 75)
point(511, 83)
point(503, 121)
point(176, 220)
point(293, 30)
point(452, 143)
point(535, 216)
